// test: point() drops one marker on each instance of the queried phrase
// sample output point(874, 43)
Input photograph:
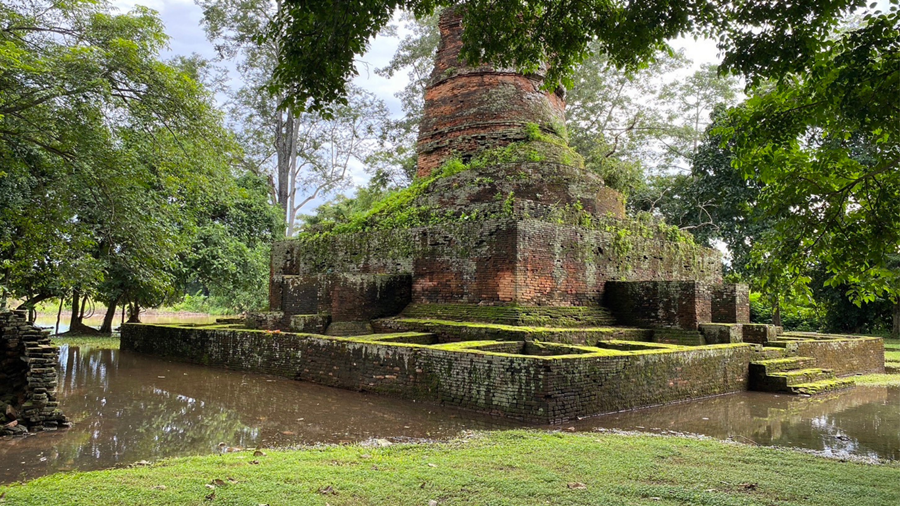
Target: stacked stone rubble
point(28, 377)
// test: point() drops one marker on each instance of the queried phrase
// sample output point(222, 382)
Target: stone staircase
point(794, 375)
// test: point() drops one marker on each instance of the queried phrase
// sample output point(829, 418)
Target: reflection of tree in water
point(122, 417)
point(129, 407)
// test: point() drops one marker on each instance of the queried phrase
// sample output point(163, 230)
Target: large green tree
point(110, 156)
point(825, 143)
point(319, 40)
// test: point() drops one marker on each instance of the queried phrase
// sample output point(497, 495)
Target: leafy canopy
point(825, 143)
point(320, 39)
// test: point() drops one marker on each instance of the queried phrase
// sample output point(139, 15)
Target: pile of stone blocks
point(28, 378)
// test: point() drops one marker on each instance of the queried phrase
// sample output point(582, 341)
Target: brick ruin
point(28, 377)
point(509, 280)
point(524, 225)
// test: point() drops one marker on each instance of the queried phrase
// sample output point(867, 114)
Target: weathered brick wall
point(468, 109)
point(731, 303)
point(845, 356)
point(675, 304)
point(599, 385)
point(501, 260)
point(28, 377)
point(533, 388)
point(570, 265)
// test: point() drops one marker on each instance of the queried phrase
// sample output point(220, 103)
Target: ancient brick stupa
point(503, 224)
point(507, 279)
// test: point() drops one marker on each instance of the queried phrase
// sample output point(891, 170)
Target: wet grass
point(95, 342)
point(501, 468)
point(887, 380)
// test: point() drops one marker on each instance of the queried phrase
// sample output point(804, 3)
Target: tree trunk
point(895, 330)
point(134, 313)
point(284, 151)
point(76, 323)
point(106, 327)
point(776, 314)
point(75, 318)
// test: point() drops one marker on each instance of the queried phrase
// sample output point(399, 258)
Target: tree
point(228, 261)
point(642, 124)
point(613, 117)
point(319, 40)
point(108, 154)
point(305, 156)
point(415, 54)
point(826, 145)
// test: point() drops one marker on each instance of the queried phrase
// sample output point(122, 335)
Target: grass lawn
point(95, 342)
point(500, 468)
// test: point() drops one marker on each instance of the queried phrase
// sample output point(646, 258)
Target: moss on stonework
point(401, 209)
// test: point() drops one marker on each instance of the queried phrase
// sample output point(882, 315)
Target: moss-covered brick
point(534, 381)
point(453, 331)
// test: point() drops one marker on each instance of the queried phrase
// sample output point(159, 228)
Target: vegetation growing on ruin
point(399, 209)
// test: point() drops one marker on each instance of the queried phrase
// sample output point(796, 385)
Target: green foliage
point(798, 317)
point(825, 143)
point(321, 39)
point(397, 209)
point(115, 163)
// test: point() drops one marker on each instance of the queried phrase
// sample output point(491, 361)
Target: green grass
point(877, 379)
point(502, 468)
point(99, 343)
point(892, 344)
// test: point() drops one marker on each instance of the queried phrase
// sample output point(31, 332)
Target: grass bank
point(95, 342)
point(501, 468)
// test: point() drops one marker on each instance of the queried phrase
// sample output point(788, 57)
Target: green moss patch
point(532, 316)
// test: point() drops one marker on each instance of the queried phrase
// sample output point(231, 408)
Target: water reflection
point(863, 421)
point(129, 407)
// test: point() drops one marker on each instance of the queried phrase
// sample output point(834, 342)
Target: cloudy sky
point(182, 21)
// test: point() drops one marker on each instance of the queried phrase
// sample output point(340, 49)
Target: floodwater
point(861, 421)
point(129, 407)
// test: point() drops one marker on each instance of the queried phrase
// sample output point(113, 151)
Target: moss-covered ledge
point(555, 383)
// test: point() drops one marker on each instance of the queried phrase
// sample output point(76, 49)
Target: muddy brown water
point(129, 407)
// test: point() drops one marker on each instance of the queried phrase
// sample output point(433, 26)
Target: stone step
point(821, 387)
point(773, 365)
point(801, 376)
point(769, 352)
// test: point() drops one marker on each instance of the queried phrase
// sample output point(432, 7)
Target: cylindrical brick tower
point(468, 109)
